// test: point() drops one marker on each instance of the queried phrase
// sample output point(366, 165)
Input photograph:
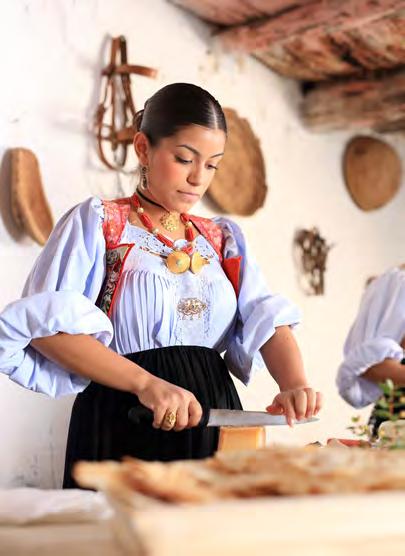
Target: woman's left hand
point(296, 404)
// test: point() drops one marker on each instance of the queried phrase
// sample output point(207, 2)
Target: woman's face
point(181, 167)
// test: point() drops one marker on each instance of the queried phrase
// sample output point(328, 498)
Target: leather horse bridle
point(115, 114)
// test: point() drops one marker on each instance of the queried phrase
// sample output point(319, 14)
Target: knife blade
point(223, 418)
point(241, 418)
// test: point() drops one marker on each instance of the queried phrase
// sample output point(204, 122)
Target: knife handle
point(140, 415)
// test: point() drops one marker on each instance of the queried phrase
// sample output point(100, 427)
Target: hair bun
point(138, 120)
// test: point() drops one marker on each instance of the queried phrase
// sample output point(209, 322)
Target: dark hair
point(176, 106)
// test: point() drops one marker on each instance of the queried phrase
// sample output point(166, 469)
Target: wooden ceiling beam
point(377, 103)
point(235, 12)
point(326, 39)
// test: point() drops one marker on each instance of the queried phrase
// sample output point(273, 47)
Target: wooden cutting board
point(358, 525)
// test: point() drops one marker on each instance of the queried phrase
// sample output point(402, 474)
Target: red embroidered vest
point(115, 216)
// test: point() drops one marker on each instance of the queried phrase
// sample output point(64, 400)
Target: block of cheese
point(232, 439)
point(392, 433)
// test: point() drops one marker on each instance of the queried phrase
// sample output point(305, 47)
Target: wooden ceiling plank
point(325, 16)
point(313, 58)
point(335, 39)
point(379, 45)
point(236, 12)
point(377, 104)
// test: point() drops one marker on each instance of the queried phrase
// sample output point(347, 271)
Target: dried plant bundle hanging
point(311, 259)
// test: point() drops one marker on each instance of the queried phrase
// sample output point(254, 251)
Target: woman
point(178, 290)
point(374, 348)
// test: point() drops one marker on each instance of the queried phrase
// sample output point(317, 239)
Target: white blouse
point(153, 308)
point(375, 335)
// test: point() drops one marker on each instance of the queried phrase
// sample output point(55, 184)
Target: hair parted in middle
point(177, 106)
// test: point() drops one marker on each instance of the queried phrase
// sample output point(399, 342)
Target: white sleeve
point(374, 336)
point(259, 311)
point(59, 296)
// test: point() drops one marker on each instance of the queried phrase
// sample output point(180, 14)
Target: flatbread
point(266, 472)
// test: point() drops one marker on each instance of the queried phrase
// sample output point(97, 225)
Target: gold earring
point(143, 182)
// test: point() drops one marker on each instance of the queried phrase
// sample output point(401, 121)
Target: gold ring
point(170, 418)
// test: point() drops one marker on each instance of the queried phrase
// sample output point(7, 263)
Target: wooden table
point(78, 539)
point(346, 525)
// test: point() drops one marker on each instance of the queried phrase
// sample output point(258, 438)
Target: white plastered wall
point(51, 54)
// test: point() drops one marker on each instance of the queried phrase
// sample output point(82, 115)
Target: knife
point(222, 418)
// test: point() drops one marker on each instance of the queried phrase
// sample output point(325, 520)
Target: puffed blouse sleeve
point(374, 336)
point(59, 296)
point(259, 312)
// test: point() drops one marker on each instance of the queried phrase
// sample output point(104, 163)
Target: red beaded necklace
point(180, 259)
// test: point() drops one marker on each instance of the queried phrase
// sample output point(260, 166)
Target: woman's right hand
point(162, 397)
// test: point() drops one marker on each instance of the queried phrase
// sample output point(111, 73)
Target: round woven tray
point(372, 172)
point(29, 207)
point(239, 186)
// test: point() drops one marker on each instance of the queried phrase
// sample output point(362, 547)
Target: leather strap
point(117, 105)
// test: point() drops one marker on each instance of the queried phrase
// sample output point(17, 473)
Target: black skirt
point(100, 429)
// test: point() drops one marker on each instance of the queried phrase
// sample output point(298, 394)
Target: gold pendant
point(170, 221)
point(178, 262)
point(197, 262)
